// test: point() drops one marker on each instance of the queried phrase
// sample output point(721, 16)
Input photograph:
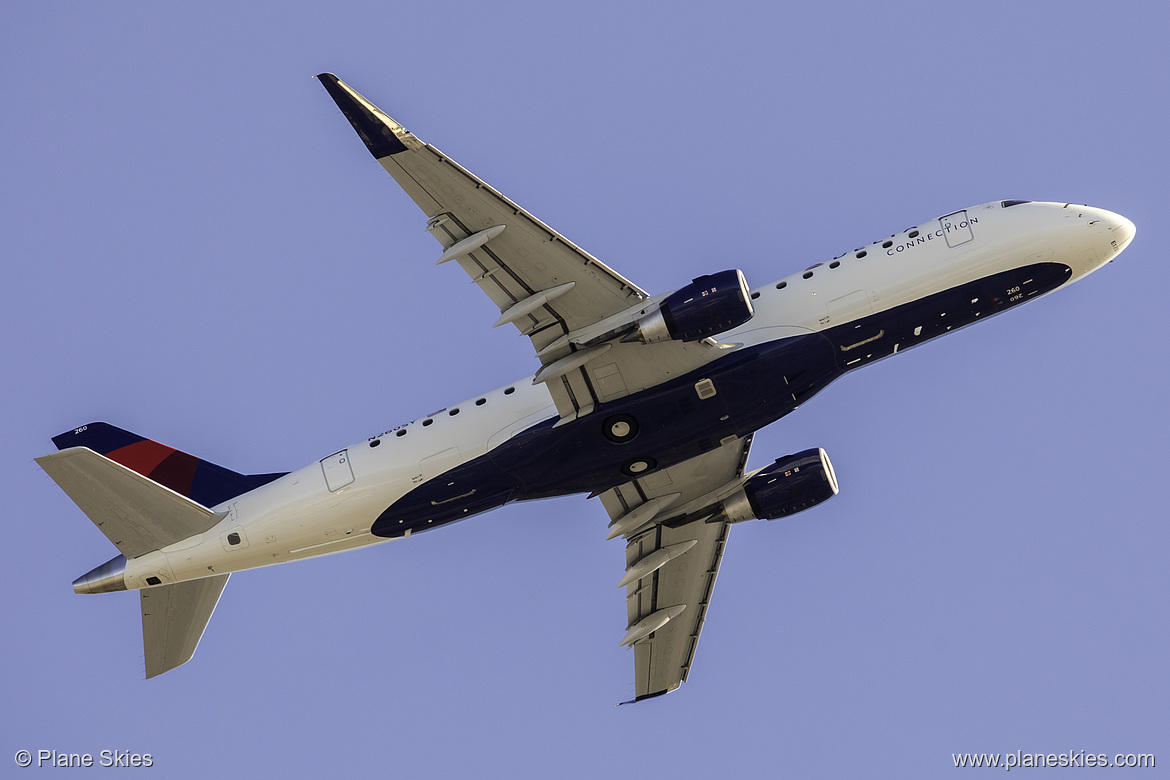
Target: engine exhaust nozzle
point(107, 578)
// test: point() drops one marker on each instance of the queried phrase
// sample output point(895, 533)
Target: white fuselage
point(330, 505)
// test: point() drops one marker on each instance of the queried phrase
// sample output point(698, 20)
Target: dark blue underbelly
point(755, 386)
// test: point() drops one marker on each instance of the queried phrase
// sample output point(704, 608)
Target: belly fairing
point(677, 420)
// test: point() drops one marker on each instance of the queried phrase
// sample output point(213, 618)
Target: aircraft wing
point(557, 294)
point(672, 562)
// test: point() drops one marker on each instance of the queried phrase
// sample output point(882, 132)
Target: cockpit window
point(1009, 203)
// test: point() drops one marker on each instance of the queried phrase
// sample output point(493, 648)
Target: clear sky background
point(197, 247)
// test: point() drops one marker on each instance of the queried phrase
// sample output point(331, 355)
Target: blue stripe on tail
point(199, 480)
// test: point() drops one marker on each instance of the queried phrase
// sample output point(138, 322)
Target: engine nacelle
point(707, 306)
point(790, 485)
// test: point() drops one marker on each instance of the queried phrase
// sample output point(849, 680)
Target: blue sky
point(199, 249)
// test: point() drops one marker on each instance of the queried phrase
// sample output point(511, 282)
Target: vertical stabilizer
point(199, 480)
point(145, 496)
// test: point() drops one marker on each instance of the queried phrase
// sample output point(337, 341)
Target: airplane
point(647, 402)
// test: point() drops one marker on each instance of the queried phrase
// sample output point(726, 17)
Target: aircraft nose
point(1122, 229)
point(1112, 231)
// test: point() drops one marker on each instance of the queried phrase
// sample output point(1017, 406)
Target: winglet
point(646, 696)
point(381, 134)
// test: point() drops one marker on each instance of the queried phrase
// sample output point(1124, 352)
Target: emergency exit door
point(337, 470)
point(956, 228)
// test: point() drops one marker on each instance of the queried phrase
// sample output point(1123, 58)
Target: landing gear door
point(957, 228)
point(337, 470)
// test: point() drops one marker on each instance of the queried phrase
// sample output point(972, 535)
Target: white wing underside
point(575, 309)
point(558, 295)
point(663, 659)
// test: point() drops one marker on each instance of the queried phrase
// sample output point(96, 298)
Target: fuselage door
point(434, 465)
point(853, 306)
point(957, 228)
point(338, 472)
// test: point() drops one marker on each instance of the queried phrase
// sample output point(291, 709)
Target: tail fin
point(199, 480)
point(144, 496)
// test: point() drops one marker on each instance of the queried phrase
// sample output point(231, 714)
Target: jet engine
point(707, 306)
point(790, 485)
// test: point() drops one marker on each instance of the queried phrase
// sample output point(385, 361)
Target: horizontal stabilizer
point(135, 513)
point(174, 618)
